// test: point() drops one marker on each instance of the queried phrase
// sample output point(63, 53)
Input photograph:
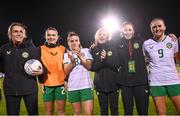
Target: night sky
point(84, 16)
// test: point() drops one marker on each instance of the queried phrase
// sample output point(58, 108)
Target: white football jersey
point(160, 56)
point(79, 78)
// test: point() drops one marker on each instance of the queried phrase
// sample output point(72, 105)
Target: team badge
point(25, 54)
point(136, 45)
point(169, 45)
point(109, 53)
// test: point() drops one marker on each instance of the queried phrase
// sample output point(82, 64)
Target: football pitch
point(69, 111)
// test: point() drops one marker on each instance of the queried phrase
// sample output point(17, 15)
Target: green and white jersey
point(79, 78)
point(160, 56)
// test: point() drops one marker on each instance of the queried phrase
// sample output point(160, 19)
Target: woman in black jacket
point(105, 64)
point(17, 84)
point(133, 74)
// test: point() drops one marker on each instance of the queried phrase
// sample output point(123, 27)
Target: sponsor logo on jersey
point(55, 53)
point(169, 45)
point(150, 47)
point(97, 53)
point(121, 46)
point(8, 52)
point(146, 91)
point(136, 45)
point(109, 53)
point(25, 54)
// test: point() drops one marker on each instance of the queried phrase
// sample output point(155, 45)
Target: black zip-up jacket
point(132, 79)
point(16, 81)
point(106, 72)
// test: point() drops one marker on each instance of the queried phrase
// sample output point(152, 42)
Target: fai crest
point(169, 45)
point(136, 45)
point(25, 54)
point(109, 53)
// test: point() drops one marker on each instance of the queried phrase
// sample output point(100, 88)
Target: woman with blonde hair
point(105, 65)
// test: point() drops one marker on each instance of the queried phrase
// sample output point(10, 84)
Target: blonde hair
point(127, 23)
point(104, 30)
point(10, 28)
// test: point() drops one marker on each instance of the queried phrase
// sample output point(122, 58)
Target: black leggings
point(108, 98)
point(141, 96)
point(13, 103)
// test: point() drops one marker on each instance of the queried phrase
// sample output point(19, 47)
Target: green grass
point(69, 111)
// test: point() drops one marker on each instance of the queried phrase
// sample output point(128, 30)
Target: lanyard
point(130, 49)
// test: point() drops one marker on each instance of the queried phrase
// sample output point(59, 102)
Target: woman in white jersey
point(77, 62)
point(160, 51)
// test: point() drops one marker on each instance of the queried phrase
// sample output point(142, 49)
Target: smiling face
point(17, 34)
point(51, 36)
point(127, 31)
point(102, 36)
point(158, 28)
point(74, 42)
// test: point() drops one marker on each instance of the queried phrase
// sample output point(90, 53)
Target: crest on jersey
point(169, 45)
point(136, 45)
point(25, 54)
point(109, 53)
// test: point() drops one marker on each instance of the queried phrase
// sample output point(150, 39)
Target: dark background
point(84, 16)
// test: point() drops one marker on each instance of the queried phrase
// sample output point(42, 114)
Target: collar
point(51, 45)
point(160, 40)
point(17, 45)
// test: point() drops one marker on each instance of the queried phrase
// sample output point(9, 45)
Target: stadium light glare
point(111, 24)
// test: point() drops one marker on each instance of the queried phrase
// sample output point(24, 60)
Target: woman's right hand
point(70, 55)
point(103, 54)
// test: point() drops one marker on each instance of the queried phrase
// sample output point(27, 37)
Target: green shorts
point(80, 95)
point(169, 90)
point(54, 93)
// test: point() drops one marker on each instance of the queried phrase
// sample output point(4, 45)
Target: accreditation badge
point(131, 66)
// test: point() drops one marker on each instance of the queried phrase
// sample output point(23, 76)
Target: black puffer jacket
point(16, 81)
point(105, 71)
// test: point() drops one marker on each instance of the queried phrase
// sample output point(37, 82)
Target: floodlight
point(111, 24)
